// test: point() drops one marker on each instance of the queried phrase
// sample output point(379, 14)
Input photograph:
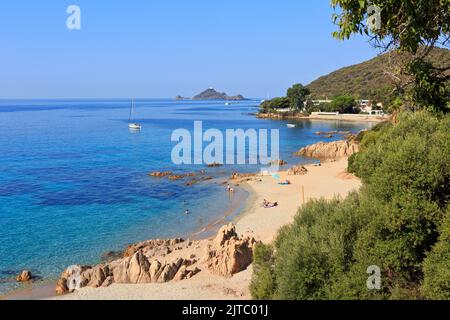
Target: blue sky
point(161, 48)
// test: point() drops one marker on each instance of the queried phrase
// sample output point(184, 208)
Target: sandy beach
point(326, 181)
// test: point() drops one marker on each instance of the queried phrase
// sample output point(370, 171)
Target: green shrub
point(436, 267)
point(262, 286)
point(396, 221)
point(310, 253)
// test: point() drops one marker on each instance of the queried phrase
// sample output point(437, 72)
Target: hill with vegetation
point(367, 80)
point(212, 94)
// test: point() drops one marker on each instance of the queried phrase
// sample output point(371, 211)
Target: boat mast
point(130, 118)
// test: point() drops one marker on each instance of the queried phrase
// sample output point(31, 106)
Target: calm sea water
point(74, 184)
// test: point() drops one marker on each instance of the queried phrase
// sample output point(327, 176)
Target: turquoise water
point(74, 184)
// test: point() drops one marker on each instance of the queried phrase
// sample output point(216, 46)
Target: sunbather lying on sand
point(267, 204)
point(285, 183)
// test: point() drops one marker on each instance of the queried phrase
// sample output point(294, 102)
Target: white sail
point(131, 123)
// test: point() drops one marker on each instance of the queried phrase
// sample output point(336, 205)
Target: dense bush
point(436, 284)
point(397, 221)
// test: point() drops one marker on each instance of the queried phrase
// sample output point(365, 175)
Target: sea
point(74, 180)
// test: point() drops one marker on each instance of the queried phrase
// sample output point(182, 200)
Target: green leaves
point(297, 96)
point(399, 221)
point(409, 26)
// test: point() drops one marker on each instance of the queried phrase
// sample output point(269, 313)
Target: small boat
point(291, 126)
point(134, 126)
point(131, 124)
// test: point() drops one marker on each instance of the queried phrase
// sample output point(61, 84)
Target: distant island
point(212, 94)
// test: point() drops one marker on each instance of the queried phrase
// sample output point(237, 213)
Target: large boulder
point(229, 254)
point(330, 150)
point(297, 171)
point(24, 276)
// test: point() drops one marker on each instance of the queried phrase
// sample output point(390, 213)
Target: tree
point(343, 104)
point(402, 24)
point(275, 103)
point(297, 96)
point(411, 28)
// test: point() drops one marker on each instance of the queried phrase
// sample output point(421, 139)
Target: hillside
point(366, 80)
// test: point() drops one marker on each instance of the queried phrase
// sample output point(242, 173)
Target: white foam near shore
point(326, 181)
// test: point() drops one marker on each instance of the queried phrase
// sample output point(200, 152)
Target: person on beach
point(228, 187)
point(267, 204)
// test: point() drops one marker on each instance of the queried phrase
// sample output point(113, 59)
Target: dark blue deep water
point(74, 184)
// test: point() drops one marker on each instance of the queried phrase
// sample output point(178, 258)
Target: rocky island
point(212, 94)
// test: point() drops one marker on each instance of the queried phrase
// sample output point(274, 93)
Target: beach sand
point(329, 180)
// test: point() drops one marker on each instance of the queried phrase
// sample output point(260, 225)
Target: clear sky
point(161, 48)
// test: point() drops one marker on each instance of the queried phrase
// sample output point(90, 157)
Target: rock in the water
point(330, 150)
point(214, 165)
point(158, 174)
point(229, 254)
point(176, 177)
point(24, 276)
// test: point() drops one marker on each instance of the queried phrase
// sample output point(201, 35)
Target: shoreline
point(327, 181)
point(342, 117)
point(45, 289)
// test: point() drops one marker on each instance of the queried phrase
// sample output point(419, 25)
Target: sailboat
point(131, 124)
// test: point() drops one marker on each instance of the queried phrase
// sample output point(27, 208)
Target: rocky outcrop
point(158, 261)
point(229, 254)
point(158, 174)
point(24, 276)
point(152, 247)
point(297, 171)
point(141, 263)
point(330, 150)
point(176, 177)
